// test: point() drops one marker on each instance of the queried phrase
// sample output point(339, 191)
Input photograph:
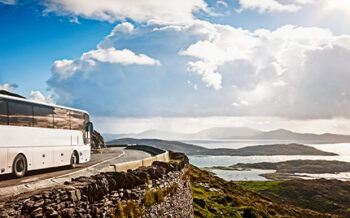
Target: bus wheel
point(74, 161)
point(19, 166)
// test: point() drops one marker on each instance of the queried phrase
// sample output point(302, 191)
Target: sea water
point(343, 149)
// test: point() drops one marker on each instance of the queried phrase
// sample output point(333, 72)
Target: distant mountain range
point(236, 133)
point(190, 149)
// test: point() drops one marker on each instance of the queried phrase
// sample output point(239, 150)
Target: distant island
point(288, 169)
point(190, 149)
point(237, 133)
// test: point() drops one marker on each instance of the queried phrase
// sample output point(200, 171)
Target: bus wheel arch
point(74, 159)
point(19, 166)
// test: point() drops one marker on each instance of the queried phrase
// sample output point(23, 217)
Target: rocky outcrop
point(161, 190)
point(326, 196)
point(216, 197)
point(97, 140)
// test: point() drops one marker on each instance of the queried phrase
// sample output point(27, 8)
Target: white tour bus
point(36, 135)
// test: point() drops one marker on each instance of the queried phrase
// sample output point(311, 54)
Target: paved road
point(47, 177)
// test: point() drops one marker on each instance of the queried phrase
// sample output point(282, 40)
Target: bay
point(343, 149)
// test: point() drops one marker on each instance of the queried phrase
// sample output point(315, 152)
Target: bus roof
point(40, 103)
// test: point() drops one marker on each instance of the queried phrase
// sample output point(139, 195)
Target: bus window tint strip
point(20, 114)
point(17, 113)
point(43, 116)
point(77, 121)
point(3, 112)
point(61, 118)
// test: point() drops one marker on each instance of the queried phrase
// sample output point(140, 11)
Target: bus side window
point(61, 118)
point(43, 116)
point(20, 114)
point(77, 121)
point(4, 119)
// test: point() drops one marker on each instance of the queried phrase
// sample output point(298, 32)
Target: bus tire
point(74, 160)
point(19, 167)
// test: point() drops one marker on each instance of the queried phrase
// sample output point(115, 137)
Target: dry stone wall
point(161, 190)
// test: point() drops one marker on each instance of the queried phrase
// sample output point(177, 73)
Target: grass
point(130, 209)
point(186, 175)
point(325, 196)
point(157, 196)
point(217, 204)
point(220, 198)
point(149, 199)
point(258, 185)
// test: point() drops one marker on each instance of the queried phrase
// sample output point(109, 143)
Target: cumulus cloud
point(155, 11)
point(8, 87)
point(268, 6)
point(38, 96)
point(336, 5)
point(225, 44)
point(304, 2)
point(271, 6)
point(295, 72)
point(290, 72)
point(123, 57)
point(124, 27)
point(66, 68)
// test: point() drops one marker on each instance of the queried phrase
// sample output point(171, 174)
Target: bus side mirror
point(89, 127)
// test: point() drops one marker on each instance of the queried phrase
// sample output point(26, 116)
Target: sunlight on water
point(208, 161)
point(237, 143)
point(341, 148)
point(242, 175)
point(345, 176)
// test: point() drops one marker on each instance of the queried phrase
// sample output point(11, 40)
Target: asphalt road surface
point(98, 161)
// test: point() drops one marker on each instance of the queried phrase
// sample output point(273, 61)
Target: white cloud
point(8, 87)
point(267, 6)
point(8, 2)
point(66, 68)
point(74, 20)
point(123, 57)
point(208, 73)
point(124, 27)
point(336, 5)
point(155, 11)
point(223, 3)
point(38, 96)
point(263, 49)
point(293, 71)
point(305, 2)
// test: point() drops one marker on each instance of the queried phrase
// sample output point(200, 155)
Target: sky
point(183, 65)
